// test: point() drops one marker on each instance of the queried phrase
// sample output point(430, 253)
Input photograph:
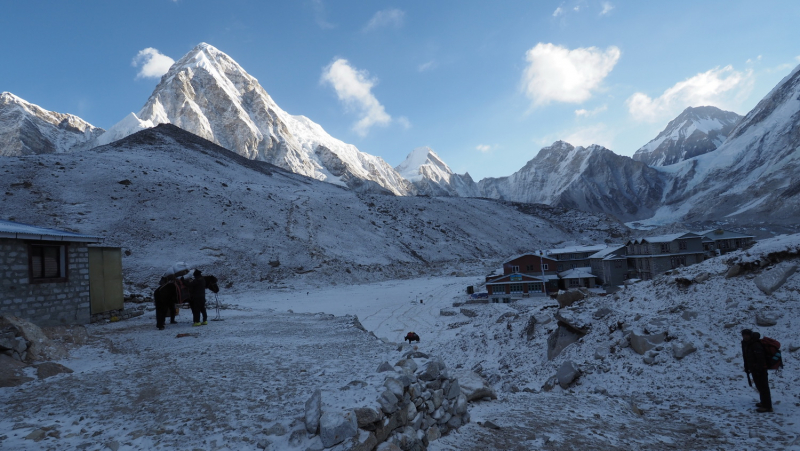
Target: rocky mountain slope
point(27, 129)
point(432, 177)
point(165, 195)
point(696, 131)
point(592, 179)
point(753, 177)
point(207, 93)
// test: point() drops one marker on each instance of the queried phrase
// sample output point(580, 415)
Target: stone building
point(45, 275)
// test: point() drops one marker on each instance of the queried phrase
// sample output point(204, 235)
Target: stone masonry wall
point(44, 304)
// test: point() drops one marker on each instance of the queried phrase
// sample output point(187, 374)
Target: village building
point(610, 265)
point(719, 241)
point(648, 257)
point(573, 257)
point(512, 287)
point(54, 277)
point(577, 278)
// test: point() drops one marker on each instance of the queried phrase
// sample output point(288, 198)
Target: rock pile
point(419, 401)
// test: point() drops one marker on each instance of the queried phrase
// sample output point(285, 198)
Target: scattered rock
point(567, 373)
point(313, 411)
point(602, 313)
point(733, 271)
point(530, 328)
point(469, 313)
point(641, 343)
point(48, 369)
point(36, 435)
point(689, 315)
point(385, 366)
point(474, 387)
point(336, 427)
point(505, 316)
point(569, 297)
point(771, 280)
point(447, 312)
point(682, 349)
point(766, 319)
point(562, 337)
point(702, 277)
point(113, 445)
point(488, 424)
point(366, 416)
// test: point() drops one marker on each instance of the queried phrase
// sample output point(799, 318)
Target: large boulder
point(766, 319)
point(562, 337)
point(569, 297)
point(771, 280)
point(643, 342)
point(313, 411)
point(567, 373)
point(49, 369)
point(474, 387)
point(336, 427)
point(577, 320)
point(39, 346)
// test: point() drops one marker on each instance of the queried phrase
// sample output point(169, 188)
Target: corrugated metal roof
point(20, 231)
point(578, 249)
point(722, 234)
point(576, 273)
point(610, 249)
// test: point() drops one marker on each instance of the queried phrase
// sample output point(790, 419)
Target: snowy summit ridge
point(207, 93)
point(27, 129)
point(431, 175)
point(696, 131)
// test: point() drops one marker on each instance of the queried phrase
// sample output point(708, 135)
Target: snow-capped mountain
point(753, 177)
point(694, 132)
point(592, 179)
point(27, 129)
point(207, 93)
point(431, 176)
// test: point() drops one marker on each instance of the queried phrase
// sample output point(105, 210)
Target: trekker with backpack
point(197, 288)
point(755, 363)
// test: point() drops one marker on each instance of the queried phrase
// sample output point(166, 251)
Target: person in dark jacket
point(755, 364)
point(197, 289)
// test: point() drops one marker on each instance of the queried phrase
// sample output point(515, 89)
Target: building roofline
point(21, 231)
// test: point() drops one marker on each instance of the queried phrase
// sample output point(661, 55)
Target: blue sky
point(485, 84)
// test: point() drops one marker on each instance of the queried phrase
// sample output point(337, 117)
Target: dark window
point(544, 266)
point(682, 245)
point(529, 268)
point(665, 247)
point(47, 263)
point(515, 268)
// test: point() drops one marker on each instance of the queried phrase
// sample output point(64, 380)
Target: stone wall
point(44, 304)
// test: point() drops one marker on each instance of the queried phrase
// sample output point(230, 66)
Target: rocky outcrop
point(419, 402)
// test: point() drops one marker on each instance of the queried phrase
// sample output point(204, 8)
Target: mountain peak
point(696, 131)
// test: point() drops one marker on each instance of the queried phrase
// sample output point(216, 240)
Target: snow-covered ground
point(244, 380)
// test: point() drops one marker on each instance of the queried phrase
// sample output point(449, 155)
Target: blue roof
point(20, 231)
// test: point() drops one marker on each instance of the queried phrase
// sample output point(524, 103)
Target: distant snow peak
point(207, 93)
point(696, 131)
point(27, 129)
point(431, 176)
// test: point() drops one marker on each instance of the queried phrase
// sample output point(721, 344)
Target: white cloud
point(577, 8)
point(607, 7)
point(154, 63)
point(559, 74)
point(559, 11)
point(386, 18)
point(483, 148)
point(426, 66)
point(320, 15)
point(721, 87)
point(595, 134)
point(404, 122)
point(586, 113)
point(354, 89)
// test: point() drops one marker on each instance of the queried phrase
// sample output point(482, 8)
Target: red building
point(523, 276)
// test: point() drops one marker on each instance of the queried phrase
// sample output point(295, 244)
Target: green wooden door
point(105, 279)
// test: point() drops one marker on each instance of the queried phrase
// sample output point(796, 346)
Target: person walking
point(197, 289)
point(755, 364)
